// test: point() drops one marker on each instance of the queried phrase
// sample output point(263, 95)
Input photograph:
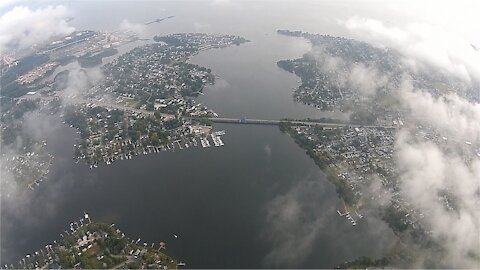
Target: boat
point(214, 139)
point(220, 132)
point(220, 141)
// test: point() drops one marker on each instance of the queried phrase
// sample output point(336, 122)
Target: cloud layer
point(294, 225)
point(361, 78)
point(450, 114)
point(429, 170)
point(136, 28)
point(23, 27)
point(421, 44)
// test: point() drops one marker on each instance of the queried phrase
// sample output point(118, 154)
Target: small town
point(87, 244)
point(361, 160)
point(29, 169)
point(145, 104)
point(329, 74)
point(25, 160)
point(107, 135)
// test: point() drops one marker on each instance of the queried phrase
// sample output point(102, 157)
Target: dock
point(181, 144)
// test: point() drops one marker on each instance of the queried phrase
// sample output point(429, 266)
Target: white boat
point(219, 133)
point(220, 141)
point(214, 139)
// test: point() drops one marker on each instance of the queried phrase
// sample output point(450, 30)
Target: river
point(257, 202)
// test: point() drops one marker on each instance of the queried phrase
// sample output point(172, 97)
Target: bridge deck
point(246, 121)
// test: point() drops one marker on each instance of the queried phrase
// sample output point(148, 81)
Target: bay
point(257, 202)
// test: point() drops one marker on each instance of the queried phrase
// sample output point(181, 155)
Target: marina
point(180, 144)
point(348, 216)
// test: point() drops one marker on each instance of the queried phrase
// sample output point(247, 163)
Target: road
point(96, 102)
point(243, 120)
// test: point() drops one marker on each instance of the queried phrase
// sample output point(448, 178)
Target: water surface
point(259, 201)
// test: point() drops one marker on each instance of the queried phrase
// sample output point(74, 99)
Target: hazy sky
point(438, 32)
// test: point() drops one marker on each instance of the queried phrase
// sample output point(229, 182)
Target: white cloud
point(426, 43)
point(137, 28)
point(79, 81)
point(365, 79)
point(294, 224)
point(449, 114)
point(8, 3)
point(440, 41)
point(201, 27)
point(426, 171)
point(221, 2)
point(459, 16)
point(23, 27)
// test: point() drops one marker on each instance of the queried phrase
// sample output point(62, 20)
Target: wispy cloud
point(293, 225)
point(137, 28)
point(427, 169)
point(421, 44)
point(23, 27)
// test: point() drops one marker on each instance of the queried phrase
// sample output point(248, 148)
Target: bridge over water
point(247, 121)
